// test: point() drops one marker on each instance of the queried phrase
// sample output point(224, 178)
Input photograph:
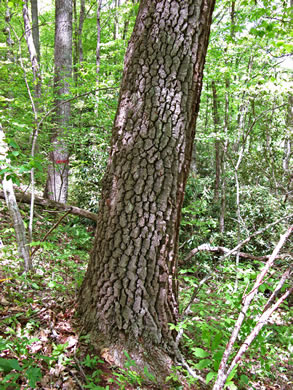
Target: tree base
point(152, 364)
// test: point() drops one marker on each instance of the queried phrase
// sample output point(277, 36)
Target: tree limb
point(26, 198)
point(224, 251)
point(247, 299)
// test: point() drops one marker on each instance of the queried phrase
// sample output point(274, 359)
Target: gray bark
point(33, 54)
point(35, 25)
point(288, 149)
point(225, 368)
point(35, 102)
point(57, 180)
point(98, 53)
point(126, 25)
point(129, 294)
point(7, 31)
point(22, 244)
point(98, 47)
point(223, 162)
point(116, 21)
point(80, 28)
point(218, 148)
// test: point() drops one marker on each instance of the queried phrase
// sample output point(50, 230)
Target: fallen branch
point(261, 322)
point(226, 252)
point(257, 233)
point(223, 372)
point(277, 290)
point(26, 198)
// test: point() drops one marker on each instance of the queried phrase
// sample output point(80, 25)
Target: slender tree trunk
point(126, 22)
point(98, 47)
point(80, 28)
point(7, 184)
point(116, 22)
point(22, 244)
point(57, 180)
point(35, 25)
point(75, 55)
point(233, 18)
point(288, 150)
point(33, 54)
point(223, 162)
point(129, 294)
point(35, 102)
point(218, 150)
point(7, 32)
point(126, 25)
point(98, 52)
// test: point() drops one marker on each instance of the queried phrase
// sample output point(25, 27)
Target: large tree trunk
point(129, 295)
point(57, 180)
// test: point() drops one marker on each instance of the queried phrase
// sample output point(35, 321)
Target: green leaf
point(199, 352)
point(230, 386)
point(12, 143)
point(203, 364)
point(217, 357)
point(35, 243)
point(244, 379)
point(216, 341)
point(8, 365)
point(34, 375)
point(232, 373)
point(210, 376)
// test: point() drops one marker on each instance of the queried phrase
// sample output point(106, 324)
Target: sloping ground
point(41, 346)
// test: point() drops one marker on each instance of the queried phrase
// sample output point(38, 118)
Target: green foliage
point(14, 369)
point(248, 63)
point(213, 312)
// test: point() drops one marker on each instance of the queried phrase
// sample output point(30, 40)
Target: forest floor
point(40, 345)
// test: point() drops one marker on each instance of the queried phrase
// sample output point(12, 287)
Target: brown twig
point(50, 231)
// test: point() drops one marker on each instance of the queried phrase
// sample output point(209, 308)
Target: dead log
point(223, 251)
point(26, 198)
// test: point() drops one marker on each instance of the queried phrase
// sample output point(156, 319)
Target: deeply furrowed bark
point(129, 295)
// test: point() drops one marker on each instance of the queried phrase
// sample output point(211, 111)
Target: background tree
point(57, 180)
point(35, 26)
